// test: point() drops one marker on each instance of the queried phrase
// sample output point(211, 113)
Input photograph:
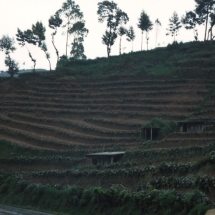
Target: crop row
point(50, 159)
point(71, 136)
point(33, 138)
point(112, 94)
point(99, 101)
point(73, 125)
point(116, 88)
point(87, 107)
point(91, 112)
point(133, 107)
point(200, 182)
point(169, 152)
point(167, 92)
point(44, 89)
point(116, 113)
point(117, 83)
point(164, 169)
point(111, 123)
point(209, 111)
point(134, 82)
point(192, 134)
point(74, 150)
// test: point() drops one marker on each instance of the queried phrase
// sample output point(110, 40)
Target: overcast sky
point(23, 13)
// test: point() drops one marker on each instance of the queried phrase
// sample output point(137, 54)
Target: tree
point(12, 66)
point(72, 14)
point(45, 50)
point(108, 39)
point(130, 36)
point(190, 20)
point(54, 23)
point(145, 25)
point(212, 23)
point(174, 25)
point(77, 51)
point(121, 32)
point(109, 11)
point(39, 33)
point(157, 23)
point(26, 36)
point(204, 8)
point(79, 31)
point(7, 46)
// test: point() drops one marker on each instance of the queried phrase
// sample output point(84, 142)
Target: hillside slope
point(49, 121)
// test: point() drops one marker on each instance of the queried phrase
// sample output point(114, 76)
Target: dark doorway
point(147, 133)
point(185, 127)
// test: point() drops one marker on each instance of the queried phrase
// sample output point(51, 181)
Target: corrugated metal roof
point(106, 154)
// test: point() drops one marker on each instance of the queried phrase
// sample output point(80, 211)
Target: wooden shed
point(149, 133)
point(191, 126)
point(105, 157)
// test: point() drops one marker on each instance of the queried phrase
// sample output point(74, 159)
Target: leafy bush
point(114, 200)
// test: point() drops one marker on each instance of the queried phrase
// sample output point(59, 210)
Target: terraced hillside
point(64, 115)
point(48, 124)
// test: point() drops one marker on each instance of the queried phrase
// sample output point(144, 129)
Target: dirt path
point(6, 210)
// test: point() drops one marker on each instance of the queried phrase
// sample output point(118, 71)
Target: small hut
point(105, 157)
point(191, 126)
point(149, 133)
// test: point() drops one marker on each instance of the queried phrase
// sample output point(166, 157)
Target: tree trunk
point(206, 24)
point(147, 40)
point(120, 45)
point(156, 37)
point(32, 59)
point(142, 41)
point(48, 60)
point(66, 40)
point(57, 53)
point(67, 35)
point(34, 65)
point(49, 64)
point(211, 32)
point(108, 51)
point(132, 45)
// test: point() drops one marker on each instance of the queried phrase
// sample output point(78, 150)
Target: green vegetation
point(115, 200)
point(177, 60)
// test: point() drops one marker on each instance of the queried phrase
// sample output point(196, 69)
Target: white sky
point(23, 13)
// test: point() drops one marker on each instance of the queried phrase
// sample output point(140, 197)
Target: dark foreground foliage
point(115, 200)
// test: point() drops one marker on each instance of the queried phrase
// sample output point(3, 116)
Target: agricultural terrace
point(49, 121)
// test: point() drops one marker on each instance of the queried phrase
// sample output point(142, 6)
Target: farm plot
point(69, 120)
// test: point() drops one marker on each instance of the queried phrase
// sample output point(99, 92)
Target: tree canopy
point(7, 44)
point(204, 8)
point(174, 25)
point(12, 65)
point(146, 25)
point(72, 14)
point(190, 20)
point(54, 23)
point(130, 34)
point(109, 11)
